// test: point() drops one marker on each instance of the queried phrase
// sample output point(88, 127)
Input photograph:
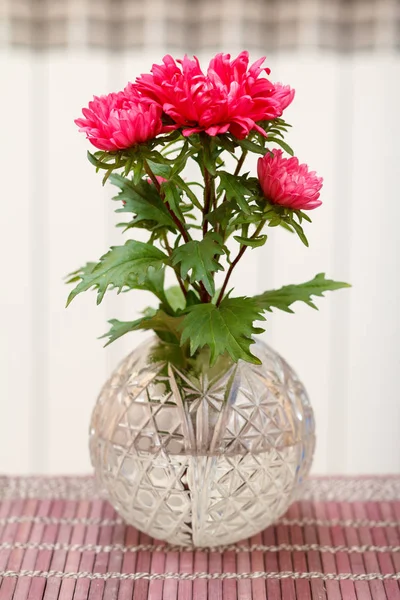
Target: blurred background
point(343, 59)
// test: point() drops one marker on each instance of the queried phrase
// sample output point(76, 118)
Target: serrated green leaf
point(252, 242)
point(284, 297)
point(224, 328)
point(165, 326)
point(143, 200)
point(120, 328)
point(123, 266)
point(198, 257)
point(83, 271)
point(234, 189)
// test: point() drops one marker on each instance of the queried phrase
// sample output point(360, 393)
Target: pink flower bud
point(284, 181)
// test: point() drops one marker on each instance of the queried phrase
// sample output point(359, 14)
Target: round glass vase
point(199, 455)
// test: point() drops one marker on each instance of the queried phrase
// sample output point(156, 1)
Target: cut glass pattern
point(202, 457)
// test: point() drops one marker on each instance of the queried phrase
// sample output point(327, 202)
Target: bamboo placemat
point(60, 541)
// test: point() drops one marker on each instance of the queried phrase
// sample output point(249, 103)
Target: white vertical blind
point(56, 216)
point(17, 398)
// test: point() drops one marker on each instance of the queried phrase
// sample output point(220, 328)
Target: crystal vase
point(199, 455)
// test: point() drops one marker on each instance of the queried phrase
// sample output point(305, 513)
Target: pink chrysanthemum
point(284, 94)
point(284, 181)
point(231, 96)
point(118, 121)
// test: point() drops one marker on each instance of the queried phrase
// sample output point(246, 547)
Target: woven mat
point(59, 541)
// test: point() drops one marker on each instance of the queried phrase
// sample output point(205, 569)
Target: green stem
point(207, 199)
point(237, 170)
point(181, 227)
point(196, 287)
point(152, 176)
point(240, 162)
point(204, 295)
point(181, 284)
point(236, 260)
point(178, 277)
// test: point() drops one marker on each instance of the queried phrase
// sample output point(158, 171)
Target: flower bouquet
point(202, 434)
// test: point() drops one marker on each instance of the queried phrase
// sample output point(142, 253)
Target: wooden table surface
point(60, 541)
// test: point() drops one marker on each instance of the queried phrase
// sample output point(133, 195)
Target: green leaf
point(120, 328)
point(222, 214)
point(165, 326)
point(285, 217)
point(282, 144)
point(167, 139)
point(103, 160)
point(275, 221)
point(199, 258)
point(173, 197)
point(143, 200)
point(253, 242)
point(95, 159)
point(226, 143)
point(286, 226)
point(160, 170)
point(154, 282)
point(181, 160)
point(251, 146)
point(302, 215)
point(208, 158)
point(175, 298)
point(182, 185)
point(274, 125)
point(137, 167)
point(242, 219)
point(299, 230)
point(192, 298)
point(284, 297)
point(122, 266)
point(83, 271)
point(224, 328)
point(234, 189)
point(275, 132)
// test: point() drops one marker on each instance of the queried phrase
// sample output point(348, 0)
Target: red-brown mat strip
point(59, 541)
